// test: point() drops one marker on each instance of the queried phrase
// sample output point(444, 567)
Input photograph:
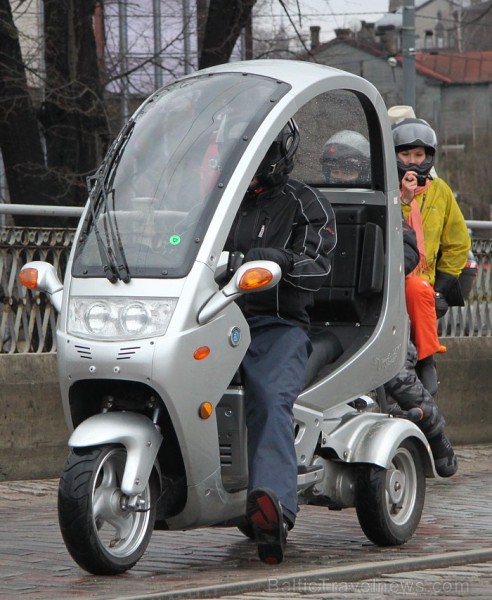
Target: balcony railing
point(28, 322)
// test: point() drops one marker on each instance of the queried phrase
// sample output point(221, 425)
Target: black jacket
point(293, 227)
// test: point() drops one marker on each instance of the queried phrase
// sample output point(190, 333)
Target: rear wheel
point(389, 502)
point(103, 534)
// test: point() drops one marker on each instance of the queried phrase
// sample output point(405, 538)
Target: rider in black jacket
point(282, 220)
point(288, 224)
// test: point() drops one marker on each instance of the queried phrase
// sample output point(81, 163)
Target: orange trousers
point(421, 308)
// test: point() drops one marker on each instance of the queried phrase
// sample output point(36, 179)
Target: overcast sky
point(331, 14)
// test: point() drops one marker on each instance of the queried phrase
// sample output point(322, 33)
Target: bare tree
point(20, 141)
point(464, 171)
point(73, 112)
point(70, 121)
point(225, 21)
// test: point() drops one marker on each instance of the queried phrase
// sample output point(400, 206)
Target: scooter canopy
point(165, 170)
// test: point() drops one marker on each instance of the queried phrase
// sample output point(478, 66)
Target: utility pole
point(408, 51)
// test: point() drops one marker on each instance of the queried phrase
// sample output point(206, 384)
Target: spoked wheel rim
point(401, 487)
point(120, 529)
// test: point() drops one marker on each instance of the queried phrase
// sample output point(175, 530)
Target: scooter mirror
point(42, 276)
point(254, 276)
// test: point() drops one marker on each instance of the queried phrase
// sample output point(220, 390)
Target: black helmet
point(346, 150)
point(278, 161)
point(412, 133)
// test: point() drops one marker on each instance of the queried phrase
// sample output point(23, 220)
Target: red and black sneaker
point(264, 512)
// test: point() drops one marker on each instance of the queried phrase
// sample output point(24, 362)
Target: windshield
point(161, 180)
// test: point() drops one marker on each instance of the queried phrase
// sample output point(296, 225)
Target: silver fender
point(137, 433)
point(373, 438)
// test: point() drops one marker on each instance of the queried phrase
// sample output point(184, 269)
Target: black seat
point(326, 349)
point(357, 271)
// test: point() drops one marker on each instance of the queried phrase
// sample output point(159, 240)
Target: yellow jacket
point(446, 237)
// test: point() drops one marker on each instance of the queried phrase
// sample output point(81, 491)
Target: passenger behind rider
point(345, 159)
point(429, 206)
point(282, 220)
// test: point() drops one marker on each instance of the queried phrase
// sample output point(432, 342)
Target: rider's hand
point(276, 255)
point(408, 186)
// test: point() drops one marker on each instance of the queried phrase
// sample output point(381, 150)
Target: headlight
point(135, 318)
point(97, 317)
point(119, 318)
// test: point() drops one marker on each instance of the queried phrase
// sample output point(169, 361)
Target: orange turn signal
point(29, 278)
point(205, 411)
point(201, 353)
point(255, 278)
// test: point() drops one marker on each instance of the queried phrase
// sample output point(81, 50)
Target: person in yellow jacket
point(429, 206)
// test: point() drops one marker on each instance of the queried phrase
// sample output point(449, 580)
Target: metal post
point(123, 47)
point(186, 37)
point(408, 50)
point(158, 81)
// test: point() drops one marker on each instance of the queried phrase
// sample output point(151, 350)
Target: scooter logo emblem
point(235, 336)
point(175, 240)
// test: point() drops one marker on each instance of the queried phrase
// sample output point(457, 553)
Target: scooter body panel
point(372, 438)
point(137, 433)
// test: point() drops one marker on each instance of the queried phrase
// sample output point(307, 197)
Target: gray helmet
point(412, 133)
point(348, 150)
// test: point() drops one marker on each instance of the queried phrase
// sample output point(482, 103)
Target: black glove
point(441, 305)
point(280, 257)
point(234, 261)
point(448, 293)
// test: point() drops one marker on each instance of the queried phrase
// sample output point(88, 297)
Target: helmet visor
point(413, 134)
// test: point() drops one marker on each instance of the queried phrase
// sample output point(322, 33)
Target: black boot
point(445, 459)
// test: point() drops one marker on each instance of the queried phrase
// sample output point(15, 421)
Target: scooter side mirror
point(42, 276)
point(254, 276)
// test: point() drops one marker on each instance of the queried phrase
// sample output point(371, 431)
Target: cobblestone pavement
point(328, 546)
point(468, 581)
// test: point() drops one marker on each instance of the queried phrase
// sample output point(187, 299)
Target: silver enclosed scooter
point(150, 339)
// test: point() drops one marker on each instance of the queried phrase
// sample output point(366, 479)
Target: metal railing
point(28, 322)
point(475, 318)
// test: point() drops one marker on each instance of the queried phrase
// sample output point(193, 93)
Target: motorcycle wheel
point(389, 502)
point(103, 536)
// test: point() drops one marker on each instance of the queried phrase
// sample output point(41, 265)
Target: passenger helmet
point(412, 133)
point(346, 150)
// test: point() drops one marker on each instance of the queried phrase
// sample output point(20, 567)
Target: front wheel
point(103, 534)
point(389, 502)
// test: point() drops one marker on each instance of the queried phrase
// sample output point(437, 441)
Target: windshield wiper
point(116, 251)
point(112, 254)
point(108, 264)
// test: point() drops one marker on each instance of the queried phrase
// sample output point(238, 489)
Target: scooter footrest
point(308, 475)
